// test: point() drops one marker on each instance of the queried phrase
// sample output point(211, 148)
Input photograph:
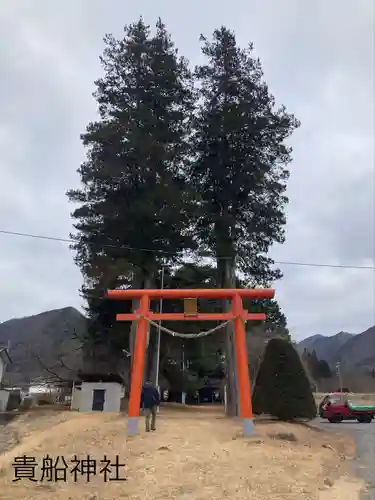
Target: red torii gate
point(238, 314)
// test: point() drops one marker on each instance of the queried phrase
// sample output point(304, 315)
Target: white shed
point(98, 393)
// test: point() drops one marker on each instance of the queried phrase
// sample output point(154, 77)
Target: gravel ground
point(365, 461)
point(364, 435)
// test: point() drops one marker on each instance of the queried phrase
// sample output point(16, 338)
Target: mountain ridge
point(43, 345)
point(351, 350)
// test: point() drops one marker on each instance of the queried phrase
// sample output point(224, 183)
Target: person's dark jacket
point(150, 397)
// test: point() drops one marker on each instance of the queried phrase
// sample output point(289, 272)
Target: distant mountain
point(359, 350)
point(350, 349)
point(309, 342)
point(325, 347)
point(43, 345)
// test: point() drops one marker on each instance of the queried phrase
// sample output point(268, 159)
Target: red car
point(336, 407)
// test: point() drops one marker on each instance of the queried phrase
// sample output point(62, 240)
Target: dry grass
point(194, 455)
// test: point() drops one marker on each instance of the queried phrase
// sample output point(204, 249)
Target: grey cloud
point(318, 59)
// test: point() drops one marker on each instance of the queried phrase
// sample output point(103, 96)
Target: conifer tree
point(240, 167)
point(133, 191)
point(282, 388)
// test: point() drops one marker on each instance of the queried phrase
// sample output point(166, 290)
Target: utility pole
point(338, 371)
point(183, 395)
point(159, 333)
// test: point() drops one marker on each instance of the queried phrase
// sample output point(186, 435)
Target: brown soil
point(196, 454)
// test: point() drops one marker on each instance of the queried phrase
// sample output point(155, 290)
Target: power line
point(311, 264)
point(134, 249)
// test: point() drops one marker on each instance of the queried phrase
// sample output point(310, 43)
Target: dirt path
point(193, 455)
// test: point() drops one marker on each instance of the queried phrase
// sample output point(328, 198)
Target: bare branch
point(63, 364)
point(50, 370)
point(82, 339)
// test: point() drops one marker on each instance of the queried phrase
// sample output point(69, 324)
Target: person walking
point(150, 400)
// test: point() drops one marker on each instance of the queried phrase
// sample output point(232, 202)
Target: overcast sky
point(318, 58)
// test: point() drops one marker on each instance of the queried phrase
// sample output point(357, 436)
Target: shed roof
point(100, 377)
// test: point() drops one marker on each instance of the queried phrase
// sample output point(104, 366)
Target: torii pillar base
point(132, 426)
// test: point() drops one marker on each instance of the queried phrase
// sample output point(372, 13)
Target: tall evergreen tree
point(240, 168)
point(134, 193)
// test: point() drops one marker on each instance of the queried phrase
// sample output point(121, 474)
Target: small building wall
point(4, 396)
point(76, 398)
point(112, 395)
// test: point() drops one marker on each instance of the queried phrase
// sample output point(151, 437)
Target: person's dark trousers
point(150, 414)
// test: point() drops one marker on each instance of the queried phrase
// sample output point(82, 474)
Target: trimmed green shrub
point(282, 387)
